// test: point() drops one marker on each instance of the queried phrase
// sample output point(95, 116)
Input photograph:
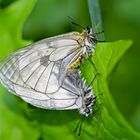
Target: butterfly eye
point(88, 30)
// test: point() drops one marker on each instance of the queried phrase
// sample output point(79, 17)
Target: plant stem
point(96, 20)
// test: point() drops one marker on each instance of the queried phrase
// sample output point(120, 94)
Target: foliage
point(13, 124)
point(20, 121)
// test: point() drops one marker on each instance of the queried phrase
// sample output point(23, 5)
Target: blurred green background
point(121, 20)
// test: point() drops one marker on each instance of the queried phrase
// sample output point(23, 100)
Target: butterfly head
point(91, 35)
point(89, 41)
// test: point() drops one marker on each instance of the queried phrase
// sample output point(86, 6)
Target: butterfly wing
point(41, 66)
point(67, 97)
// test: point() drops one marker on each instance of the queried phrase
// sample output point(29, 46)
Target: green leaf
point(14, 125)
point(12, 19)
point(20, 121)
point(112, 124)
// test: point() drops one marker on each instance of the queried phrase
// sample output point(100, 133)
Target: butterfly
point(72, 94)
point(42, 66)
point(44, 74)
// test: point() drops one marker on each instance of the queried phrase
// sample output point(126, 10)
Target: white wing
point(67, 97)
point(42, 66)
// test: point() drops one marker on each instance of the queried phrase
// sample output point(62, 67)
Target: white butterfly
point(72, 94)
point(43, 65)
point(43, 73)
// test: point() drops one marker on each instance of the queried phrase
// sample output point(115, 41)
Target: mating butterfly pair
point(45, 73)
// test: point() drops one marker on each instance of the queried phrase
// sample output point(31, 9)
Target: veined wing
point(41, 66)
point(67, 97)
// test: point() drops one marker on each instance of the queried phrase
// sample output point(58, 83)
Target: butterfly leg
point(94, 65)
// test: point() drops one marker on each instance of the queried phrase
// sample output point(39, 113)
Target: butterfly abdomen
point(76, 63)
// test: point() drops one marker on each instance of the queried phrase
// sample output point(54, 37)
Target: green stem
point(96, 20)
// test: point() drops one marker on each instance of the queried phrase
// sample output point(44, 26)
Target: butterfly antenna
point(79, 125)
point(74, 22)
point(80, 128)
